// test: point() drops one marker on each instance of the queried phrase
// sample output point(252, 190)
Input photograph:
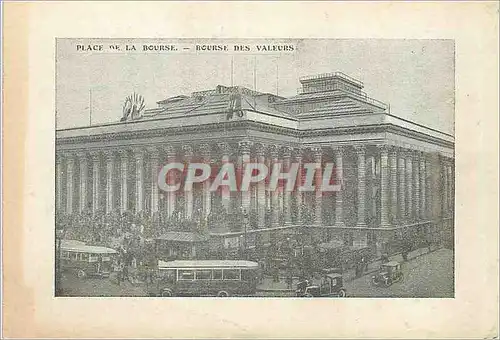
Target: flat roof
point(207, 264)
point(83, 248)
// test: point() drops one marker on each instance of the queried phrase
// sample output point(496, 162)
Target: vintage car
point(86, 260)
point(331, 286)
point(389, 273)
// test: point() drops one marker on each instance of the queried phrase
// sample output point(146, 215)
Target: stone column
point(416, 180)
point(298, 194)
point(245, 146)
point(59, 174)
point(273, 151)
point(402, 188)
point(139, 179)
point(96, 182)
point(70, 166)
point(444, 175)
point(422, 177)
point(82, 156)
point(207, 204)
point(393, 164)
point(261, 187)
point(428, 197)
point(154, 155)
point(409, 186)
point(318, 194)
point(451, 198)
point(339, 176)
point(225, 192)
point(123, 180)
point(360, 152)
point(171, 195)
point(110, 158)
point(287, 154)
point(384, 186)
point(188, 156)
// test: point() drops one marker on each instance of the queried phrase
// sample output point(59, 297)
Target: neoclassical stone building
point(396, 175)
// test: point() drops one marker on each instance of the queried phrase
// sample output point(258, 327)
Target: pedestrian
point(119, 273)
point(276, 274)
point(125, 272)
point(384, 258)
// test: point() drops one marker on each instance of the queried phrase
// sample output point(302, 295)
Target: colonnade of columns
point(400, 175)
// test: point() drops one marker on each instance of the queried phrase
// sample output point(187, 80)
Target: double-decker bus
point(220, 278)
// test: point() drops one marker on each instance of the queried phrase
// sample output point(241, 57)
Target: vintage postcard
point(277, 170)
point(211, 180)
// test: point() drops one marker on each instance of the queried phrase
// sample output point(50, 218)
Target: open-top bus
point(86, 260)
point(220, 278)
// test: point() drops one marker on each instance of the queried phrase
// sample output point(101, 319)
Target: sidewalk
point(268, 285)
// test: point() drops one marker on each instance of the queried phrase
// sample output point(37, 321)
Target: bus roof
point(83, 248)
point(207, 264)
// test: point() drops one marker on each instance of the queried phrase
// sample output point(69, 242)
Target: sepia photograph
point(250, 170)
point(284, 168)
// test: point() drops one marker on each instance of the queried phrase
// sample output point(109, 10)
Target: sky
point(416, 77)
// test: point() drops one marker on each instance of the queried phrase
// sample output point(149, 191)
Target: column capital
point(188, 151)
point(95, 155)
point(384, 148)
point(81, 154)
point(359, 149)
point(109, 154)
point(260, 149)
point(403, 152)
point(154, 152)
point(273, 150)
point(287, 151)
point(138, 151)
point(337, 148)
point(70, 158)
point(225, 148)
point(298, 152)
point(170, 151)
point(205, 150)
point(245, 146)
point(123, 153)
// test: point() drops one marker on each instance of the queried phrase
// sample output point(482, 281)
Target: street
point(427, 275)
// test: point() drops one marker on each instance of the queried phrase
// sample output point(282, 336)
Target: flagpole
point(277, 77)
point(232, 69)
point(90, 107)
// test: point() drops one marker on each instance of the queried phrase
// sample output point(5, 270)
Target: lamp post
point(59, 238)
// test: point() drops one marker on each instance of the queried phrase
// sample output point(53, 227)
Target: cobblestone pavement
point(426, 275)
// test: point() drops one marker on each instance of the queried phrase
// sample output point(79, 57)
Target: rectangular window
point(217, 274)
point(65, 255)
point(84, 257)
point(231, 274)
point(75, 256)
point(203, 275)
point(186, 274)
point(248, 275)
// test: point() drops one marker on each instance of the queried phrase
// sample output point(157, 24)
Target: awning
point(182, 236)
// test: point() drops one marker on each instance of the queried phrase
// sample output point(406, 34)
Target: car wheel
point(81, 274)
point(309, 295)
point(167, 293)
point(374, 281)
point(342, 293)
point(222, 293)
